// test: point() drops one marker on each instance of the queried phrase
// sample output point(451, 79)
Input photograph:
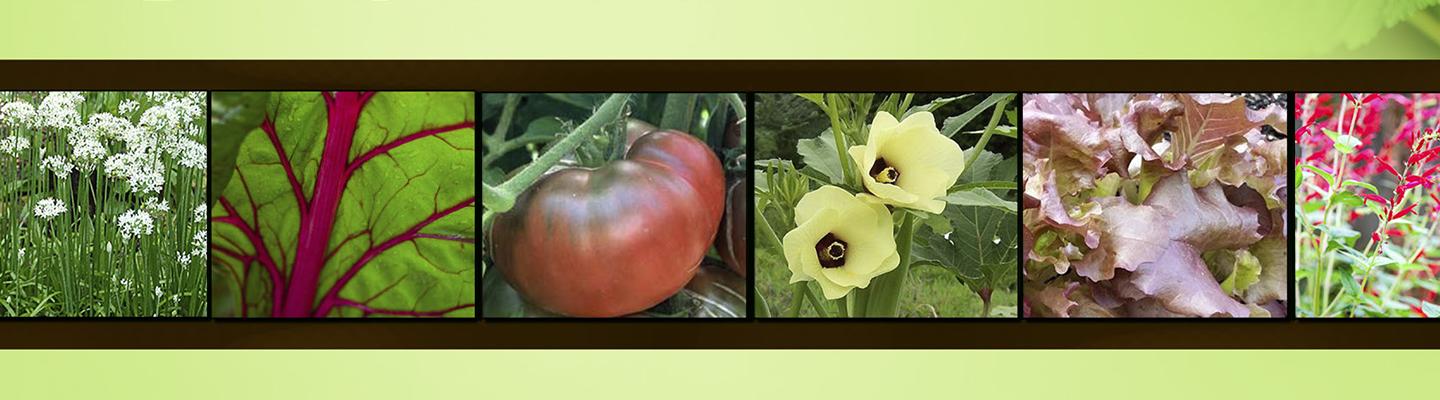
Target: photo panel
point(603, 205)
point(102, 204)
point(886, 205)
point(1367, 205)
point(343, 205)
point(1168, 205)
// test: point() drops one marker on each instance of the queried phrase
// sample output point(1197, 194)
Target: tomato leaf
point(350, 205)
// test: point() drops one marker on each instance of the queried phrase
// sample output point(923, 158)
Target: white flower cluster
point(57, 110)
point(166, 132)
point(13, 145)
point(142, 171)
point(200, 212)
point(58, 165)
point(202, 238)
point(49, 208)
point(129, 106)
point(18, 114)
point(135, 223)
point(156, 205)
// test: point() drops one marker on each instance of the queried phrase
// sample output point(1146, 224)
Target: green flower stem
point(989, 131)
point(814, 301)
point(502, 198)
point(840, 146)
point(884, 293)
point(859, 300)
point(797, 296)
point(1419, 251)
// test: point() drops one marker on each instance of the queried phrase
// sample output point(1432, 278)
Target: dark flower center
point(883, 172)
point(831, 251)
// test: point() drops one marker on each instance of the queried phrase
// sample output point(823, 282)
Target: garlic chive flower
point(135, 223)
point(17, 114)
point(841, 241)
point(13, 145)
point(49, 208)
point(909, 163)
point(57, 165)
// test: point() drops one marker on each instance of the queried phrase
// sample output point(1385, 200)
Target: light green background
point(731, 29)
point(712, 29)
point(726, 375)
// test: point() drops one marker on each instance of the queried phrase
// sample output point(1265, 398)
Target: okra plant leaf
point(350, 205)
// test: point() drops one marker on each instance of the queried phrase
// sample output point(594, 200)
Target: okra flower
point(909, 163)
point(842, 241)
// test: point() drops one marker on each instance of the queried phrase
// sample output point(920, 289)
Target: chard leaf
point(350, 205)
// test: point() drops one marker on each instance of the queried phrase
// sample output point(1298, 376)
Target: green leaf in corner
point(954, 124)
point(933, 105)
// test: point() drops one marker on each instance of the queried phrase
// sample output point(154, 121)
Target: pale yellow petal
point(800, 243)
point(825, 197)
point(831, 290)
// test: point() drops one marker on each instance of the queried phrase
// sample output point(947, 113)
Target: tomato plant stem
point(502, 198)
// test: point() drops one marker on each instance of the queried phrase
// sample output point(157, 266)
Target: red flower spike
point(1387, 168)
point(1402, 213)
point(1352, 98)
point(1374, 198)
point(1375, 237)
point(1406, 186)
point(1370, 97)
point(1422, 157)
point(1429, 172)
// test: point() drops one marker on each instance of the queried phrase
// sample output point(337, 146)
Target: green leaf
point(987, 167)
point(980, 247)
point(1346, 198)
point(819, 155)
point(1002, 130)
point(1001, 185)
point(377, 218)
point(1343, 143)
point(981, 198)
point(1329, 179)
point(1348, 183)
point(1246, 273)
point(933, 105)
point(953, 125)
point(232, 116)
